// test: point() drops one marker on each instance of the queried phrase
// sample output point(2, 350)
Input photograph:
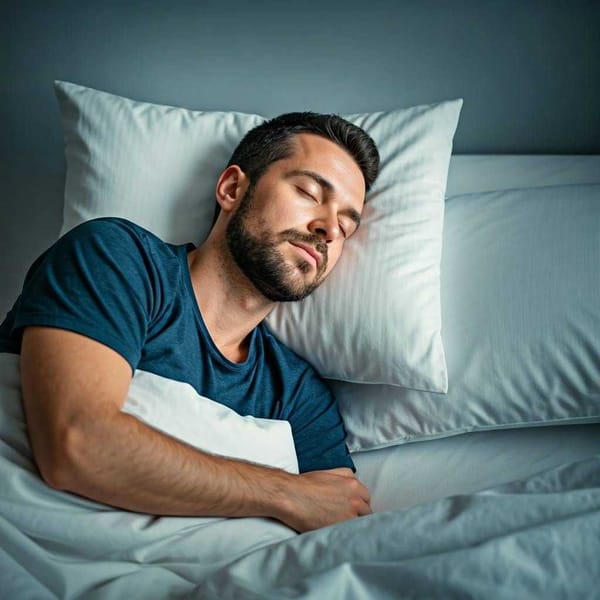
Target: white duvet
point(538, 538)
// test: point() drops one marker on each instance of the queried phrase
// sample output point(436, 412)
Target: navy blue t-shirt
point(119, 284)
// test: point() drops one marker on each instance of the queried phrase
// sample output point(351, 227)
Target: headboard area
point(528, 72)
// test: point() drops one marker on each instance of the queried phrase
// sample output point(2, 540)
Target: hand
point(320, 498)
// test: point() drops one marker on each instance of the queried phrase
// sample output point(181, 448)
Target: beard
point(259, 258)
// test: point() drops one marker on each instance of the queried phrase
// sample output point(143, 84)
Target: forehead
point(332, 162)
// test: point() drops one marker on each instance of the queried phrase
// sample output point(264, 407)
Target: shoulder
point(112, 251)
point(109, 228)
point(117, 239)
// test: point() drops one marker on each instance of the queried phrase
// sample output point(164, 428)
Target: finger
point(365, 494)
point(364, 510)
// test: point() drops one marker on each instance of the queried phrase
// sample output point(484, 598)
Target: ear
point(231, 187)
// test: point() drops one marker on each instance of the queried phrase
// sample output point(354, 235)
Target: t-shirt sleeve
point(97, 281)
point(317, 427)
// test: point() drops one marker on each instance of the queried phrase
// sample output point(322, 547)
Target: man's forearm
point(122, 462)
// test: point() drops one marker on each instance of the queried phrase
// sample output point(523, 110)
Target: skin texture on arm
point(73, 391)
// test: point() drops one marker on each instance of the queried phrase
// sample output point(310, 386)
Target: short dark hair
point(273, 140)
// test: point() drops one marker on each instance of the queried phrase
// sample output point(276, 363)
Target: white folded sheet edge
point(176, 409)
point(475, 173)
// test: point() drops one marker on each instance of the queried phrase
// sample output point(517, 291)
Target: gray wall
point(529, 72)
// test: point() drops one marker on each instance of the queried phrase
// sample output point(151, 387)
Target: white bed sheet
point(469, 174)
point(422, 471)
point(410, 474)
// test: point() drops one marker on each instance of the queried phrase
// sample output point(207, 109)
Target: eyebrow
point(327, 185)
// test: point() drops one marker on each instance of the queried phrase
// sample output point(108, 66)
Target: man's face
point(290, 228)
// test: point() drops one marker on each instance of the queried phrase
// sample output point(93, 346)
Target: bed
point(485, 479)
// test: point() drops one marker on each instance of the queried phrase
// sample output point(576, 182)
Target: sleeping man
point(110, 298)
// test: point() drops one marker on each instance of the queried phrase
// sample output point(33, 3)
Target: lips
point(317, 256)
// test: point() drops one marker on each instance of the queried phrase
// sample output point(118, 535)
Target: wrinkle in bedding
point(539, 537)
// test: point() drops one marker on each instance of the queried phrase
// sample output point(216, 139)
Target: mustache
point(291, 235)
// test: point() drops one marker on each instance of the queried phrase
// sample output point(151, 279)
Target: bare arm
point(73, 391)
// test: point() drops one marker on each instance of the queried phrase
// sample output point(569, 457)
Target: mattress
point(422, 471)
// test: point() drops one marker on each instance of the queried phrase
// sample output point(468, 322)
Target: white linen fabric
point(405, 475)
point(154, 165)
point(520, 298)
point(175, 408)
point(377, 319)
point(475, 173)
point(59, 545)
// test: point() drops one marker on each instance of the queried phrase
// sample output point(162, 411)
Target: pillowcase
point(377, 318)
point(154, 165)
point(208, 425)
point(520, 298)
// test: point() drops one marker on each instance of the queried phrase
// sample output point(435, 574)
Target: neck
point(230, 305)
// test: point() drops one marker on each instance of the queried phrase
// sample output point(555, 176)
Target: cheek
point(284, 214)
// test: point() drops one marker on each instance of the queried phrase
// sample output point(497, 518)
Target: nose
point(326, 226)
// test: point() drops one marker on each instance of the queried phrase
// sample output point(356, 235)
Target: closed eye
point(306, 194)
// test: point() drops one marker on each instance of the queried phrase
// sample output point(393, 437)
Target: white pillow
point(521, 305)
point(175, 408)
point(154, 165)
point(377, 319)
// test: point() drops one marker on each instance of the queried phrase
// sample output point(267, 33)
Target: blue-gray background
point(529, 72)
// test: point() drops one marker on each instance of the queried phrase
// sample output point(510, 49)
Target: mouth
point(313, 254)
